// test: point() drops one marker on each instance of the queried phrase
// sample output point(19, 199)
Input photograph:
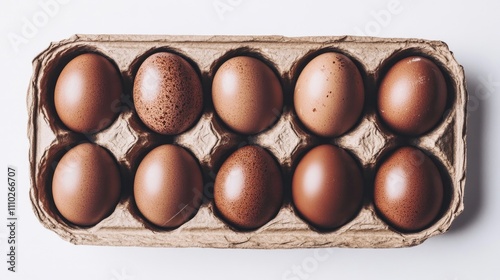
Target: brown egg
point(329, 95)
point(327, 187)
point(87, 93)
point(86, 185)
point(168, 186)
point(248, 188)
point(408, 191)
point(247, 95)
point(412, 96)
point(167, 93)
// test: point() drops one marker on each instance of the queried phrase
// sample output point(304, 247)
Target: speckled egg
point(327, 187)
point(86, 185)
point(329, 95)
point(408, 190)
point(87, 93)
point(167, 93)
point(168, 186)
point(248, 189)
point(412, 96)
point(247, 95)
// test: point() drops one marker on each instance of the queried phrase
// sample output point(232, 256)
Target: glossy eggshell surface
point(412, 96)
point(248, 189)
point(327, 187)
point(329, 95)
point(247, 95)
point(408, 190)
point(168, 186)
point(86, 185)
point(168, 94)
point(87, 93)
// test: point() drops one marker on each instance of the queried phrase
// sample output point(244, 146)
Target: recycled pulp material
point(211, 142)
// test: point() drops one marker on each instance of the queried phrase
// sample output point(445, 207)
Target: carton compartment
point(404, 53)
point(49, 78)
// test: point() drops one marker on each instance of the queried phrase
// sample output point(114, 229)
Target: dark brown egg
point(327, 187)
point(168, 186)
point(86, 185)
point(329, 95)
point(412, 96)
point(167, 93)
point(247, 95)
point(408, 191)
point(87, 93)
point(248, 189)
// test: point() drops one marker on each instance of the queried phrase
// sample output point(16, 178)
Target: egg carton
point(211, 142)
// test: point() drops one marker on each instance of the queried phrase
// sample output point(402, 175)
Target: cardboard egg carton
point(211, 142)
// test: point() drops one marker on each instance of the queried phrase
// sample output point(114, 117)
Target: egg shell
point(329, 95)
point(87, 93)
point(86, 185)
point(168, 186)
point(248, 189)
point(247, 94)
point(408, 190)
point(412, 96)
point(167, 93)
point(327, 187)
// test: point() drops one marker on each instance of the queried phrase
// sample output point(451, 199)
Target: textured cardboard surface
point(129, 140)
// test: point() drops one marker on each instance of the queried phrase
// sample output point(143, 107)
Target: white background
point(470, 250)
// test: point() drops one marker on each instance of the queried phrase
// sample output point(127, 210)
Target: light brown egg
point(248, 189)
point(247, 95)
point(408, 190)
point(329, 95)
point(168, 186)
point(167, 92)
point(87, 93)
point(86, 185)
point(327, 187)
point(412, 96)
